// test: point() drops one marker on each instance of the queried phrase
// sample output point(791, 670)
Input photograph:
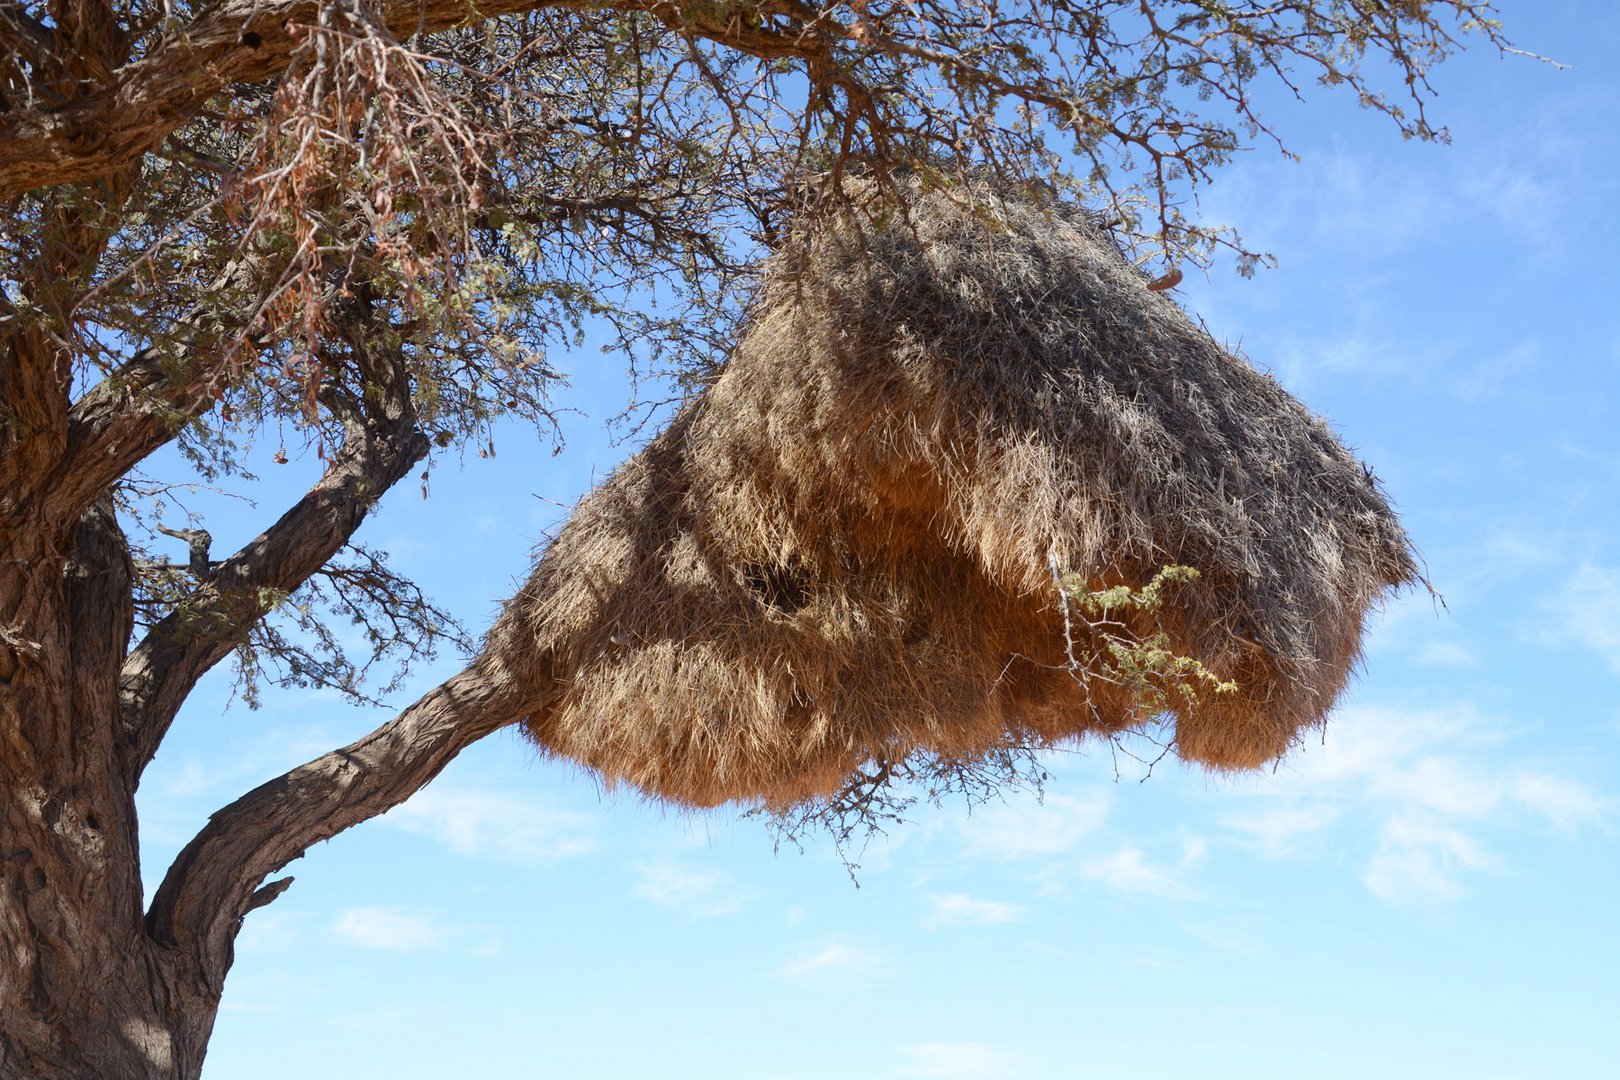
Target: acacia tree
point(359, 227)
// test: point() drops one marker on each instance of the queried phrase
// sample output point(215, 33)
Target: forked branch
point(382, 445)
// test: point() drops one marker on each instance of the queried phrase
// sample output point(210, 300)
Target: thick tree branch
point(382, 446)
point(23, 40)
point(34, 379)
point(117, 424)
point(247, 41)
point(138, 408)
point(101, 610)
point(36, 360)
point(89, 43)
point(216, 880)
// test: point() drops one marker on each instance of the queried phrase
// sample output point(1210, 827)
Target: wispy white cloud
point(386, 928)
point(1452, 787)
point(1420, 858)
point(701, 892)
point(1588, 606)
point(1493, 373)
point(1520, 199)
point(1515, 550)
point(961, 1061)
point(835, 957)
point(1274, 829)
point(1240, 935)
point(1563, 802)
point(509, 828)
point(1404, 624)
point(192, 776)
point(1453, 654)
point(1024, 828)
point(1371, 745)
point(1058, 837)
point(1429, 780)
point(1301, 362)
point(960, 909)
point(1351, 206)
point(1127, 870)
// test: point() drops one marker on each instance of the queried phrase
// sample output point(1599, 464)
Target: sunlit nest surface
point(845, 548)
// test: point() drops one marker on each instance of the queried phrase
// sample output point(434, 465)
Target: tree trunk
point(132, 1022)
point(84, 992)
point(89, 985)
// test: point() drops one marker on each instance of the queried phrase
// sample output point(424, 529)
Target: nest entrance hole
point(785, 588)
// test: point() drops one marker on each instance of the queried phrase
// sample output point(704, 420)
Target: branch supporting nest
point(216, 880)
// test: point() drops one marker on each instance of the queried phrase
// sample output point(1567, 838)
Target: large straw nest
point(845, 548)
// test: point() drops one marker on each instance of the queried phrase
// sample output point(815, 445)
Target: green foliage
point(1153, 673)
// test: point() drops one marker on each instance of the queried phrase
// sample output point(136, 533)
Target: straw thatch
point(845, 549)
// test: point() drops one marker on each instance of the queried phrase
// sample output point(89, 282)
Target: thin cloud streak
point(960, 909)
point(700, 892)
point(834, 958)
point(1026, 828)
point(1588, 613)
point(1127, 871)
point(506, 828)
point(391, 929)
point(961, 1061)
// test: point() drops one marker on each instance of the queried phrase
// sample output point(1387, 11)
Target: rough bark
point(82, 992)
point(88, 989)
point(90, 985)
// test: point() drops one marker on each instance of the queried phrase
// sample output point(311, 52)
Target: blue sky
point(1427, 891)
